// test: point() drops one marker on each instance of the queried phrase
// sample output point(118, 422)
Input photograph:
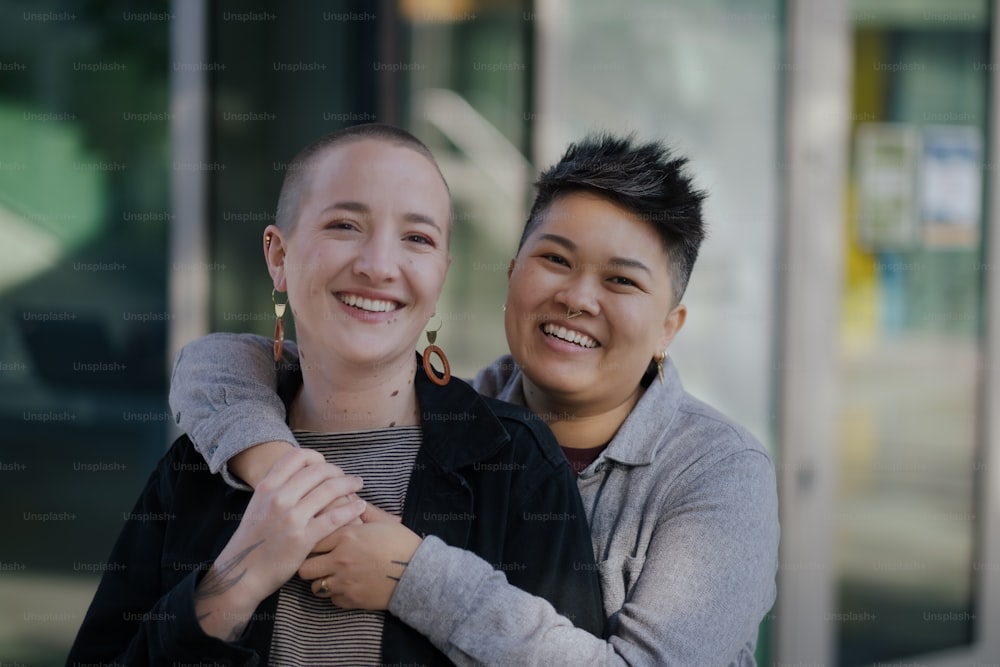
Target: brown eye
point(420, 238)
point(556, 259)
point(622, 280)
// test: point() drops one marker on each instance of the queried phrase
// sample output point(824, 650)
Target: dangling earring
point(434, 349)
point(279, 325)
point(659, 364)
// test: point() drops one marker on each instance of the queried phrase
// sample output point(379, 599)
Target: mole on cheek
point(394, 393)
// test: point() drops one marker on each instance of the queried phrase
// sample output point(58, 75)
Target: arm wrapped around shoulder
point(223, 395)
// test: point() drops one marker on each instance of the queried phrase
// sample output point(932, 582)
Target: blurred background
point(846, 306)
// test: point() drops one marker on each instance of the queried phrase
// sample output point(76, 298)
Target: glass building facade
point(845, 306)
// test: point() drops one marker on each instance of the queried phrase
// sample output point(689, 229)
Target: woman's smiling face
point(590, 255)
point(366, 260)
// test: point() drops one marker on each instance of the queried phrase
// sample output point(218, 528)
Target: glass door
point(910, 333)
point(890, 358)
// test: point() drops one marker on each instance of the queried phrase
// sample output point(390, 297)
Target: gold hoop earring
point(434, 349)
point(279, 325)
point(659, 359)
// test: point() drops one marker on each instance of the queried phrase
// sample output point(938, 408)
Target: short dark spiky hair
point(293, 187)
point(645, 179)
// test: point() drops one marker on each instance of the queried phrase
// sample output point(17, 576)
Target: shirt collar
point(642, 433)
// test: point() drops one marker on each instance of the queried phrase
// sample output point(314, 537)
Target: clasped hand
point(305, 516)
point(359, 565)
point(301, 500)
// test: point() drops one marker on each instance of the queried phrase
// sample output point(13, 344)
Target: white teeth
point(373, 305)
point(575, 337)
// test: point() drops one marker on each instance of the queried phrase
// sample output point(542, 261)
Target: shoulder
point(713, 430)
point(529, 434)
point(707, 447)
point(494, 378)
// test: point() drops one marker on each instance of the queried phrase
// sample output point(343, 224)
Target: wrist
point(223, 614)
point(252, 465)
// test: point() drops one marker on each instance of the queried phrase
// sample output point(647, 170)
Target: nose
point(580, 294)
point(378, 258)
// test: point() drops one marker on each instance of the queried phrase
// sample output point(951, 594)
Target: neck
point(337, 397)
point(577, 424)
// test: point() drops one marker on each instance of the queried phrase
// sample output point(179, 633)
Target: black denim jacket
point(484, 469)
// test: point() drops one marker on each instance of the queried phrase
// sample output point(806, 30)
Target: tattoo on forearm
point(402, 563)
point(222, 576)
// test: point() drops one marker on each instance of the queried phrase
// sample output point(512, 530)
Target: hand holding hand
point(288, 513)
point(371, 514)
point(364, 564)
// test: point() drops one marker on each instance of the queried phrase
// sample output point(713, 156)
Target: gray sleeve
point(706, 582)
point(469, 611)
point(709, 573)
point(223, 395)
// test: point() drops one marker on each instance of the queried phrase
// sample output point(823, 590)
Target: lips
point(367, 304)
point(569, 335)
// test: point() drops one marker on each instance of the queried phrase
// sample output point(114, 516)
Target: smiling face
point(593, 256)
point(366, 259)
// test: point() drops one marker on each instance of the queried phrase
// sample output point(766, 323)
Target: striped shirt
point(309, 630)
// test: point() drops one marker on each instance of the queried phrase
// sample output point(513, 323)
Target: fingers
point(288, 465)
point(292, 462)
point(333, 518)
point(323, 492)
point(323, 545)
point(320, 588)
point(308, 489)
point(315, 567)
point(373, 514)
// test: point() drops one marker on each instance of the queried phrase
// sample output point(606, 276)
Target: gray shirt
point(682, 507)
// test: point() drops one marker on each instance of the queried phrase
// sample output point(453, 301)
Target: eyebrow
point(613, 261)
point(364, 209)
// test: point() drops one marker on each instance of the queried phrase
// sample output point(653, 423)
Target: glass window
point(84, 127)
point(910, 332)
point(469, 86)
point(456, 75)
point(282, 77)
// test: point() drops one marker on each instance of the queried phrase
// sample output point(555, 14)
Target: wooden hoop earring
point(434, 349)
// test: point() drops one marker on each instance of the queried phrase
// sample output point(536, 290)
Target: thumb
point(315, 566)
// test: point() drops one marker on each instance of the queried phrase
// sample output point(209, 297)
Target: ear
point(274, 255)
point(671, 326)
point(510, 267)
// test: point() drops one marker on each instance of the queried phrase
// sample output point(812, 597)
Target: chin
point(561, 383)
